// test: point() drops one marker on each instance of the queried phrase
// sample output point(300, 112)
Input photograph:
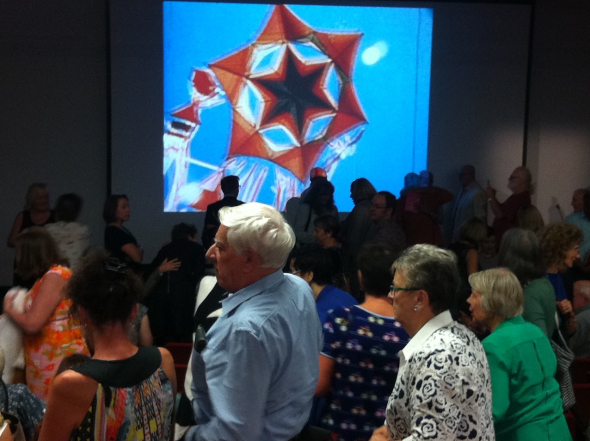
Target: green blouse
point(526, 398)
point(540, 305)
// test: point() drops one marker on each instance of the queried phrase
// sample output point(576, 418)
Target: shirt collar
point(434, 324)
point(236, 299)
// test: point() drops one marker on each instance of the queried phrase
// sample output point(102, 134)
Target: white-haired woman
point(526, 398)
point(443, 388)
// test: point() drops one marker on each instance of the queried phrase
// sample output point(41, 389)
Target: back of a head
point(362, 189)
point(520, 252)
point(105, 288)
point(411, 180)
point(527, 178)
point(374, 263)
point(230, 185)
point(329, 224)
point(313, 258)
point(319, 193)
point(432, 269)
point(426, 178)
point(36, 253)
point(530, 218)
point(474, 231)
point(109, 210)
point(183, 231)
point(261, 228)
point(68, 207)
point(501, 292)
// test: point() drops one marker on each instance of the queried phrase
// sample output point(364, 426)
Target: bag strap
point(5, 389)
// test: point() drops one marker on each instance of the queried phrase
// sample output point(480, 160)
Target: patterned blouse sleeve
point(334, 331)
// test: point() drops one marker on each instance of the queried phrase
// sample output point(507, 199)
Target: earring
point(416, 308)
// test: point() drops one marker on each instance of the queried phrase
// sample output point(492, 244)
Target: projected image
point(268, 92)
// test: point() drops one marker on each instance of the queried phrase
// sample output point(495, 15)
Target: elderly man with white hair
point(256, 377)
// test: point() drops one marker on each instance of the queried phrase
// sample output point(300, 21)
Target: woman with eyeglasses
point(527, 402)
point(443, 388)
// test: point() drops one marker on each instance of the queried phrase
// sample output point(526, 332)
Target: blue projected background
point(389, 75)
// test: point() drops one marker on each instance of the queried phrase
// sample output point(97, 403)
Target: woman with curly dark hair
point(561, 247)
point(123, 392)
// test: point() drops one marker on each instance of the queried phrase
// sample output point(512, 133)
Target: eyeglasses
point(377, 207)
point(394, 289)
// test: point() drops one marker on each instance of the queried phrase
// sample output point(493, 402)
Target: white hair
point(501, 293)
point(260, 228)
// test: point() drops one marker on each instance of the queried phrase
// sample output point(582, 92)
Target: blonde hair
point(33, 193)
point(501, 293)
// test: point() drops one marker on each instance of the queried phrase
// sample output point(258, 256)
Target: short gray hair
point(432, 269)
point(501, 293)
point(260, 228)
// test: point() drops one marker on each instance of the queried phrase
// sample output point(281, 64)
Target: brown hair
point(36, 253)
point(557, 239)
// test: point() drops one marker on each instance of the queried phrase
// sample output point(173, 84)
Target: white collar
point(432, 325)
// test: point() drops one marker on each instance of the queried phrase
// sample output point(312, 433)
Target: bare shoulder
point(74, 386)
point(166, 356)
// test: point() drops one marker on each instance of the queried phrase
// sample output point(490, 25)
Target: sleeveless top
point(134, 399)
point(28, 221)
point(60, 337)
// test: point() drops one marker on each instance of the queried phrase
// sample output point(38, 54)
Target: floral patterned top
point(364, 346)
point(60, 337)
point(443, 389)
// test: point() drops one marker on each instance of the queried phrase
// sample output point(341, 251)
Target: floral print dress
point(60, 337)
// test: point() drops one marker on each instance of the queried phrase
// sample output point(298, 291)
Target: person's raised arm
point(43, 306)
point(494, 204)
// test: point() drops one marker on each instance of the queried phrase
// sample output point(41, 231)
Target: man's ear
point(251, 260)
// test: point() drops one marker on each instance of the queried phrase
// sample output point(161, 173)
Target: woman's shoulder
point(73, 386)
point(452, 339)
point(60, 270)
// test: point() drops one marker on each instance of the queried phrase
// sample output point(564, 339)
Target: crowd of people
point(305, 326)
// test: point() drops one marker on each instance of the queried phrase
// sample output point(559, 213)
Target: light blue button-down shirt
point(256, 378)
point(580, 220)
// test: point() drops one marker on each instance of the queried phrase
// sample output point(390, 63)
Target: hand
point(169, 265)
point(380, 434)
point(565, 307)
